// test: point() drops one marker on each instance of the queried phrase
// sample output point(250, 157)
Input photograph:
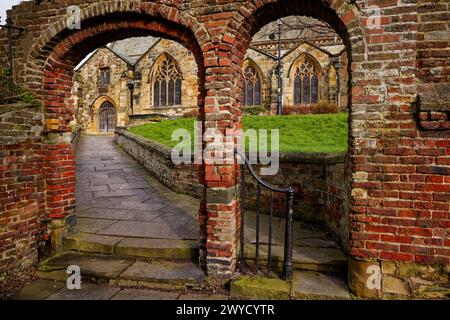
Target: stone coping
point(300, 157)
point(163, 150)
point(13, 107)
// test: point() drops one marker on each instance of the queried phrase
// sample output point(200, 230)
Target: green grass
point(299, 133)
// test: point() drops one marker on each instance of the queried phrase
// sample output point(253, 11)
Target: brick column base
point(379, 279)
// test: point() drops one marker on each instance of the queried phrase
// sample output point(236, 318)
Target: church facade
point(140, 79)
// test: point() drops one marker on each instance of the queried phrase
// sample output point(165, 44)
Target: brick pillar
point(60, 186)
point(221, 179)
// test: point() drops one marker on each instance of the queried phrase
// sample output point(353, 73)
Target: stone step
point(305, 285)
point(132, 247)
point(331, 260)
point(124, 271)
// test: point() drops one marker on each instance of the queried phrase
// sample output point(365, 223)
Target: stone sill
point(292, 157)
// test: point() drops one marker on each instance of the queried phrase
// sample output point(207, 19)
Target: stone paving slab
point(39, 290)
point(87, 292)
point(315, 285)
point(118, 214)
point(158, 248)
point(193, 296)
point(145, 294)
point(308, 258)
point(171, 272)
point(92, 225)
point(91, 265)
point(147, 230)
point(91, 243)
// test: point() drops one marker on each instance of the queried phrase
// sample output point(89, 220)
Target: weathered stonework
point(319, 181)
point(22, 194)
point(399, 173)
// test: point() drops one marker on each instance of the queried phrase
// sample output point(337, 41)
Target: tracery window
point(252, 87)
point(306, 83)
point(104, 76)
point(166, 83)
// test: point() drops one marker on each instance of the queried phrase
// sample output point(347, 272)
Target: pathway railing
point(288, 241)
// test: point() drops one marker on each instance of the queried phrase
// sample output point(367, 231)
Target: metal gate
point(107, 117)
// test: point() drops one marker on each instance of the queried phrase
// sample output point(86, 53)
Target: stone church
point(137, 79)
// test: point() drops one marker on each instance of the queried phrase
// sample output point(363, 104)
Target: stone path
point(57, 290)
point(116, 197)
point(124, 216)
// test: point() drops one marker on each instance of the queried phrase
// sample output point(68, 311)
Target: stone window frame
point(104, 79)
point(166, 77)
point(306, 66)
point(252, 78)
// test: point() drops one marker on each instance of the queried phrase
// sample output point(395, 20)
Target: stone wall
point(156, 158)
point(321, 191)
point(89, 94)
point(22, 194)
point(319, 181)
point(398, 95)
point(189, 85)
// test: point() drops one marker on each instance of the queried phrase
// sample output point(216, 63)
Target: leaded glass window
point(252, 87)
point(306, 83)
point(104, 77)
point(166, 83)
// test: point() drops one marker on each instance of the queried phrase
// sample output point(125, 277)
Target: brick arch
point(253, 16)
point(50, 74)
point(99, 13)
point(69, 50)
point(345, 20)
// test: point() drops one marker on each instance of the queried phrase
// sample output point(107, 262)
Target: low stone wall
point(320, 184)
point(319, 181)
point(155, 158)
point(22, 194)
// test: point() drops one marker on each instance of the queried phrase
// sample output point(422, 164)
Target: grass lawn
point(306, 133)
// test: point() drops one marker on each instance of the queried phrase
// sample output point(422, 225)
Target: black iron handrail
point(288, 243)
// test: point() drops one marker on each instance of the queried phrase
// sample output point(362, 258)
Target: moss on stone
point(260, 287)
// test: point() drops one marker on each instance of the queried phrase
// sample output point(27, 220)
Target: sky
point(6, 5)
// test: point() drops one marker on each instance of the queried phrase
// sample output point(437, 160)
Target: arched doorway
point(107, 118)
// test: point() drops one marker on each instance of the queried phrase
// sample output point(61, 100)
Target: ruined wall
point(22, 188)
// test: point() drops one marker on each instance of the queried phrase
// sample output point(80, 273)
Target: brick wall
point(319, 181)
point(156, 158)
point(398, 84)
point(22, 205)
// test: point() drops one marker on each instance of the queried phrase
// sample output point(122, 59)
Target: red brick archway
point(399, 148)
point(53, 61)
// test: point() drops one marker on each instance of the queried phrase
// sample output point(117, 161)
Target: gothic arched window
point(166, 83)
point(252, 87)
point(306, 83)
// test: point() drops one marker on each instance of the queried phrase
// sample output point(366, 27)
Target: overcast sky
point(6, 5)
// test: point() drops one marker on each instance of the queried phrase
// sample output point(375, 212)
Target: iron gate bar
point(242, 217)
point(288, 241)
point(258, 216)
point(269, 249)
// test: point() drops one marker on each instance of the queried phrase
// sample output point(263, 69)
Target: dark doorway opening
point(107, 118)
